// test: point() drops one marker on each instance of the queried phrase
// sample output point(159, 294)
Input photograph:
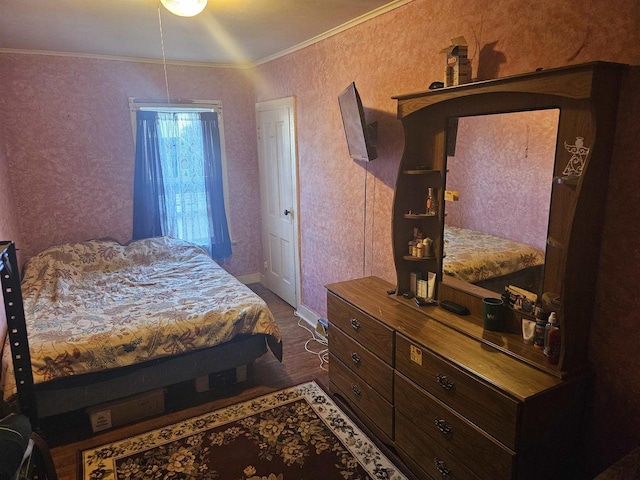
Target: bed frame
point(529, 278)
point(72, 393)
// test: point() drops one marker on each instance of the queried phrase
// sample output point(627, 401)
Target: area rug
point(295, 433)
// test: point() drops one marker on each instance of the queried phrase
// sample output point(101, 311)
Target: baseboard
point(251, 278)
point(308, 315)
point(303, 312)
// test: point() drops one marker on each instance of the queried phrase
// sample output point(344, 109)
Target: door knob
point(287, 212)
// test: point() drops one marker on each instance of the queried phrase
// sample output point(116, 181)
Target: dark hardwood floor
point(72, 435)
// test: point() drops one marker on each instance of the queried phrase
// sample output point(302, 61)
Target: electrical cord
point(323, 354)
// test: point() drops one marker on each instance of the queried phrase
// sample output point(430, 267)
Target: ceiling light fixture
point(184, 8)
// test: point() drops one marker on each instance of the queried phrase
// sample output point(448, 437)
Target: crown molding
point(318, 38)
point(115, 58)
point(334, 31)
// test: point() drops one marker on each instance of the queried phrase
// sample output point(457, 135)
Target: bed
point(106, 321)
point(491, 262)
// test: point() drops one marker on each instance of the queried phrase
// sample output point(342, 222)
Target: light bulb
point(185, 8)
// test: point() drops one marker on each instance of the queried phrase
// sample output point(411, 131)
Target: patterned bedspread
point(99, 305)
point(474, 256)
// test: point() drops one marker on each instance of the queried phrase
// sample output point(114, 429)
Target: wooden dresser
point(457, 401)
point(453, 406)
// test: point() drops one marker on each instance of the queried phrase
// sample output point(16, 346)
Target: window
point(179, 185)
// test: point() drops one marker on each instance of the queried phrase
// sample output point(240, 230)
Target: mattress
point(473, 256)
point(100, 305)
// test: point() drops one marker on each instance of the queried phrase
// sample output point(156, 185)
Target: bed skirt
point(81, 391)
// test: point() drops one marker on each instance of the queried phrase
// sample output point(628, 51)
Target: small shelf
point(420, 171)
point(552, 242)
point(419, 216)
point(568, 180)
point(411, 258)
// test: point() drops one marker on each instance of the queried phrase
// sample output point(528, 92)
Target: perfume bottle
point(432, 202)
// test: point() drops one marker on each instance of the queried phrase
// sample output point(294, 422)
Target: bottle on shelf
point(541, 322)
point(552, 325)
point(428, 247)
point(555, 341)
point(432, 202)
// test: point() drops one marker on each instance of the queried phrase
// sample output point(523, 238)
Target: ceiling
point(226, 32)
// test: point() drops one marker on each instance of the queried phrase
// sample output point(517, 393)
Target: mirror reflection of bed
point(502, 166)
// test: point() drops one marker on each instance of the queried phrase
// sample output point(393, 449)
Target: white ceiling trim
point(341, 28)
point(126, 59)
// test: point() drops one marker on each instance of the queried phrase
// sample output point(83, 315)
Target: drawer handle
point(442, 468)
point(355, 324)
point(443, 426)
point(356, 391)
point(355, 358)
point(444, 382)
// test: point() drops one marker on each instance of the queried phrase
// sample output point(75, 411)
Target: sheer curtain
point(189, 184)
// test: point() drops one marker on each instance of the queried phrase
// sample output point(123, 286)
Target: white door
point(278, 193)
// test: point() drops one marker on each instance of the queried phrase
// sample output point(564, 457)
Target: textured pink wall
point(398, 53)
point(503, 169)
point(8, 218)
point(69, 145)
point(70, 149)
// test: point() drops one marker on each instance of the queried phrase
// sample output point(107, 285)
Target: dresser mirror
point(501, 167)
point(581, 98)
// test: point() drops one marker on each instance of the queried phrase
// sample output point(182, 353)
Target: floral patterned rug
point(295, 433)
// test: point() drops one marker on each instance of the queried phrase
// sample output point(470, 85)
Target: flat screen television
point(360, 136)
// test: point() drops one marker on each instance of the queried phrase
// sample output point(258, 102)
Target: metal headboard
point(17, 329)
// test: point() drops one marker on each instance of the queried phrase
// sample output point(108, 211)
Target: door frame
point(290, 104)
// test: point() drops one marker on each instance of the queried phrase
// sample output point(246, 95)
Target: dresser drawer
point(474, 448)
point(366, 365)
point(362, 397)
point(428, 453)
point(364, 329)
point(488, 408)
